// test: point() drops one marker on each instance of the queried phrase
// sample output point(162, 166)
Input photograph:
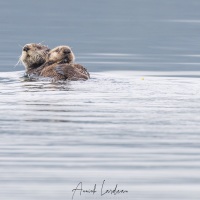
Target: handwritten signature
point(79, 189)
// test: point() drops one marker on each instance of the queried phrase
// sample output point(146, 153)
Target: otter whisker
point(20, 45)
point(40, 43)
point(18, 62)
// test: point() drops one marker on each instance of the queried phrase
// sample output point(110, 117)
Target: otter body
point(63, 72)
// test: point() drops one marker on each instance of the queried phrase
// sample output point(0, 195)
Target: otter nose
point(66, 51)
point(25, 48)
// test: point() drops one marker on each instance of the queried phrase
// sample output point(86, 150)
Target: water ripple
point(141, 131)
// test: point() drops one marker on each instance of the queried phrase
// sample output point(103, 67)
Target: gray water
point(135, 123)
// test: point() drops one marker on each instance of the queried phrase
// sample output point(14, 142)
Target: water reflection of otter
point(60, 65)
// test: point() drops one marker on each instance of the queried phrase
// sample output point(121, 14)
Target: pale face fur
point(61, 54)
point(34, 55)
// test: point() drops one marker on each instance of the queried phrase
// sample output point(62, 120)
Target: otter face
point(61, 54)
point(34, 55)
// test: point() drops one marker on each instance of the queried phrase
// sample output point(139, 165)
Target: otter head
point(61, 54)
point(34, 55)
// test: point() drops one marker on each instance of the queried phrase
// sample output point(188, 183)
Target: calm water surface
point(135, 123)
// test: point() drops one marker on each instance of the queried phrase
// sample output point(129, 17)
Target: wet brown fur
point(64, 54)
point(34, 55)
point(61, 72)
point(60, 66)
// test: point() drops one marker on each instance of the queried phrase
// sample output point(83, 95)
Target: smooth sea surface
point(134, 124)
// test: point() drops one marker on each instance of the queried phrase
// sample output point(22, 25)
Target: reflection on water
point(140, 132)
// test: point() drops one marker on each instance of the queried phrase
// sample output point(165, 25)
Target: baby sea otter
point(33, 56)
point(64, 55)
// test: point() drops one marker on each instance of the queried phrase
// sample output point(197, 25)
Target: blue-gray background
point(106, 34)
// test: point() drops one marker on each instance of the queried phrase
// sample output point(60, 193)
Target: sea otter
point(60, 65)
point(33, 56)
point(57, 63)
point(64, 54)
